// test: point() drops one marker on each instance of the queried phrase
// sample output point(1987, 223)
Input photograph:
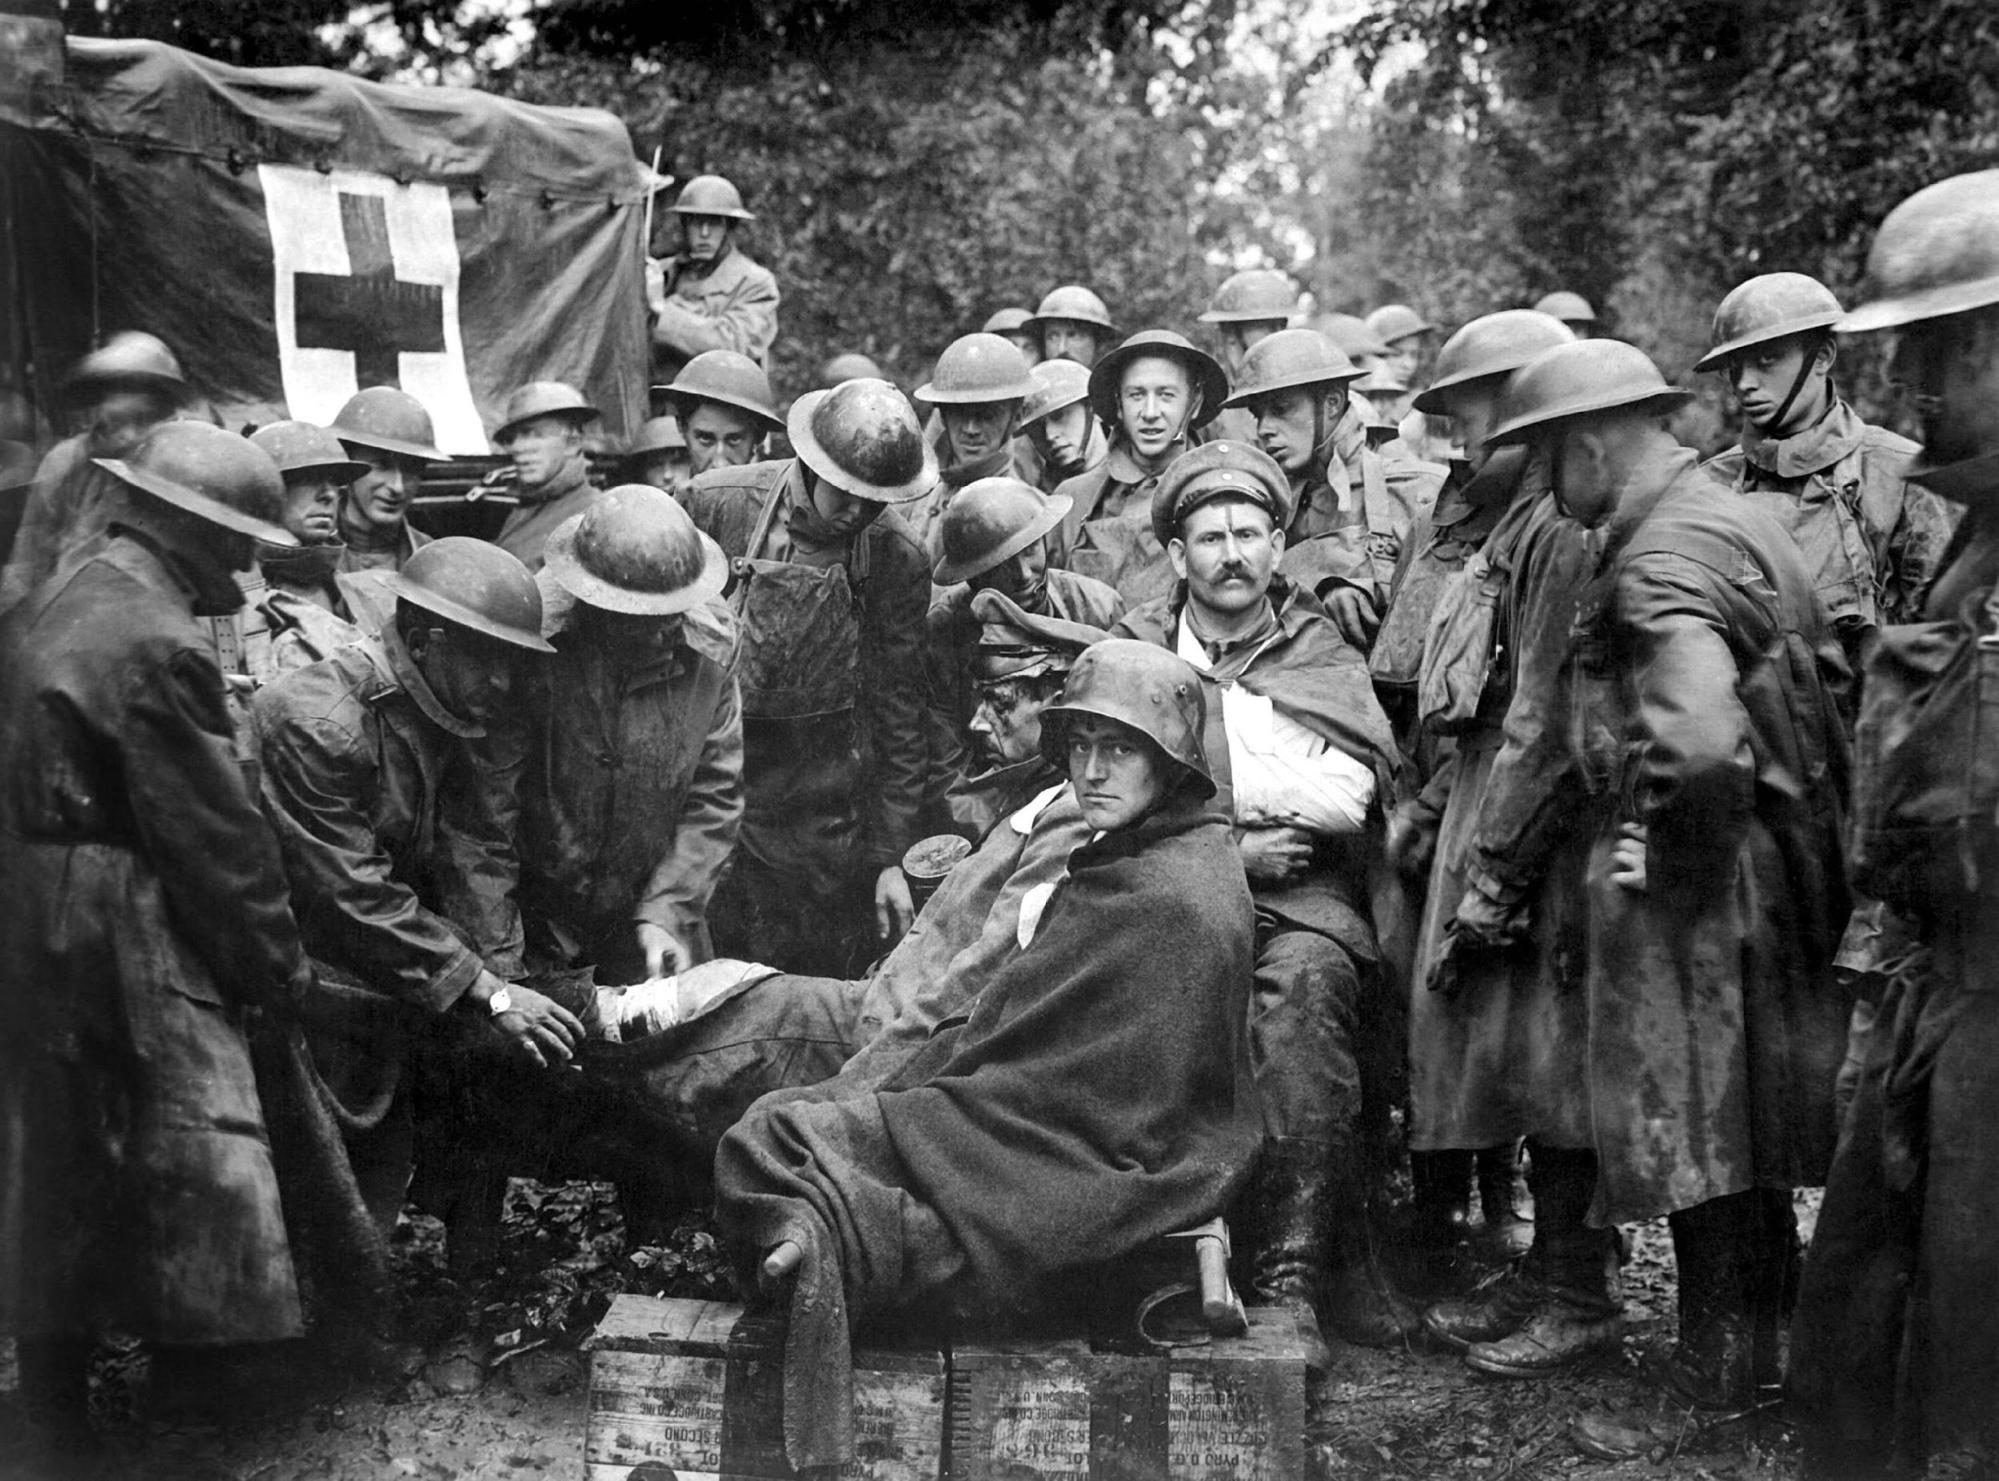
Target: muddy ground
point(1379, 1415)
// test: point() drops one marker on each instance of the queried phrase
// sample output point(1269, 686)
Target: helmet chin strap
point(1797, 387)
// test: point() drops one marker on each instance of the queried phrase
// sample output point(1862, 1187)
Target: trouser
point(1305, 1034)
point(805, 921)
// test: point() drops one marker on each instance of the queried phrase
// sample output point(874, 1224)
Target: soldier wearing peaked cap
point(1300, 748)
point(119, 393)
point(992, 538)
point(1706, 731)
point(542, 436)
point(709, 294)
point(1895, 1344)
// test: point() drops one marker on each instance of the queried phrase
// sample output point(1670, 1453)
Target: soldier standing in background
point(710, 295)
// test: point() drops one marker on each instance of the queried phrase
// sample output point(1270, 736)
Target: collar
point(300, 565)
point(392, 660)
point(1124, 467)
point(1220, 651)
point(1643, 490)
point(688, 267)
point(1818, 447)
point(572, 476)
point(994, 463)
point(369, 539)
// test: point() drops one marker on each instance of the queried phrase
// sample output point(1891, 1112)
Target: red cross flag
point(296, 234)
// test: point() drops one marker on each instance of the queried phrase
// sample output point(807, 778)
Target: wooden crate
point(695, 1390)
point(1057, 1411)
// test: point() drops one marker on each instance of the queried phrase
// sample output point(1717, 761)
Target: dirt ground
point(1378, 1415)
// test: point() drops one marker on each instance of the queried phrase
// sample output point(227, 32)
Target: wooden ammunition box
point(695, 1390)
point(1233, 1410)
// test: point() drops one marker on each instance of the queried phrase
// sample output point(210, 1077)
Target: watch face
point(501, 1002)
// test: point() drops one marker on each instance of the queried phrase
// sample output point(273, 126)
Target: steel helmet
point(851, 366)
point(543, 399)
point(1289, 358)
point(635, 550)
point(1149, 688)
point(1580, 379)
point(1057, 383)
point(658, 435)
point(475, 584)
point(1350, 333)
point(1570, 308)
point(1496, 344)
point(1773, 306)
point(1937, 253)
point(1075, 303)
point(388, 420)
point(862, 436)
point(711, 195)
point(1393, 321)
point(1006, 321)
point(225, 479)
point(1380, 381)
point(129, 358)
point(1017, 644)
point(978, 369)
point(991, 520)
point(1205, 370)
point(724, 376)
point(1215, 470)
point(1252, 296)
point(301, 447)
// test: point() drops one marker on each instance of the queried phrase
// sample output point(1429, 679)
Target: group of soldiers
point(1350, 751)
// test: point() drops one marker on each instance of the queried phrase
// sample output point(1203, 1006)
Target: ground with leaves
point(1379, 1415)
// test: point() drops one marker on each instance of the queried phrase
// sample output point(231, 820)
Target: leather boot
point(1362, 1304)
point(1284, 1211)
point(1579, 1316)
point(1507, 1235)
point(1498, 1306)
point(1773, 1285)
point(1432, 1262)
point(1715, 1247)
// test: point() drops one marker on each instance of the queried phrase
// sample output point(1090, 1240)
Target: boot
point(1715, 1247)
point(1579, 1316)
point(1773, 1286)
point(1432, 1261)
point(1284, 1210)
point(1497, 1306)
point(1507, 1235)
point(1362, 1304)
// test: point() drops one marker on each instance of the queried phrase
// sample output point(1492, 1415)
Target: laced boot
point(1713, 1364)
point(1362, 1304)
point(1285, 1210)
point(1432, 1261)
point(1579, 1316)
point(1507, 1236)
point(1498, 1306)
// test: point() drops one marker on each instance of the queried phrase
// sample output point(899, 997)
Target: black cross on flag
point(371, 312)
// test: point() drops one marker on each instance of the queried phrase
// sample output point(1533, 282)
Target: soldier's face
point(1949, 370)
point(1063, 437)
point(1155, 399)
point(1065, 339)
point(978, 430)
point(312, 503)
point(541, 447)
point(1017, 575)
point(666, 470)
point(120, 418)
point(380, 498)
point(1227, 552)
point(720, 436)
point(706, 236)
point(1403, 358)
point(1585, 480)
point(1471, 415)
point(1287, 427)
point(1762, 377)
point(1007, 723)
point(1028, 344)
point(1116, 773)
point(470, 673)
point(1237, 340)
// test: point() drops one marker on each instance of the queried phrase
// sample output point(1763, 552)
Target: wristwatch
point(502, 1001)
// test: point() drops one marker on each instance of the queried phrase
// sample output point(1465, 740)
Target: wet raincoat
point(1705, 685)
point(145, 917)
point(1107, 533)
point(729, 305)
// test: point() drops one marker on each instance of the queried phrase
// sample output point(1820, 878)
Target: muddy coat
point(1107, 533)
point(623, 789)
point(145, 913)
point(832, 685)
point(1501, 1056)
point(70, 502)
point(731, 305)
point(1355, 514)
point(1704, 688)
point(545, 510)
point(1871, 539)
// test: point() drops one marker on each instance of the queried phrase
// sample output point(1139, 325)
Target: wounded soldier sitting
point(1094, 1097)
